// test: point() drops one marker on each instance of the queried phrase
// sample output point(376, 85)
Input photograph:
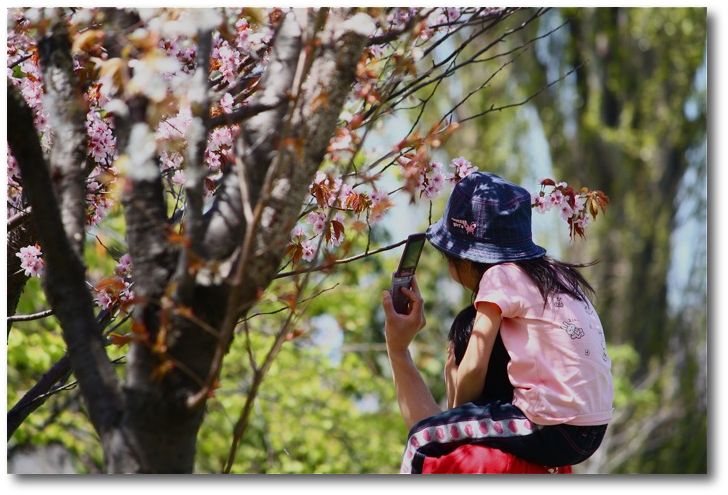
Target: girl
point(559, 368)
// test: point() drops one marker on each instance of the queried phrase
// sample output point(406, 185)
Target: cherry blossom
point(309, 250)
point(179, 178)
point(226, 103)
point(556, 198)
point(101, 140)
point(31, 260)
point(175, 127)
point(565, 210)
point(463, 167)
point(170, 160)
point(103, 299)
point(229, 59)
point(298, 232)
point(318, 220)
point(540, 203)
point(123, 268)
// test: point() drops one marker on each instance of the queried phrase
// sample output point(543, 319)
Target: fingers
point(412, 295)
point(387, 302)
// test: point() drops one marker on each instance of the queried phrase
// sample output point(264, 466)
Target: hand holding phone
point(406, 270)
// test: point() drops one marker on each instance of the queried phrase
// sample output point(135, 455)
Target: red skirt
point(478, 459)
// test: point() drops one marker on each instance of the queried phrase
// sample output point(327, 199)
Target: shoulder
point(504, 272)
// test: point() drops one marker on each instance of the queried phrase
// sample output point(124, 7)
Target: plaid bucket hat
point(487, 220)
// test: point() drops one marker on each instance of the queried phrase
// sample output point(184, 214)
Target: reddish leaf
point(162, 370)
point(548, 182)
point(295, 251)
point(338, 228)
point(297, 332)
point(113, 284)
point(119, 340)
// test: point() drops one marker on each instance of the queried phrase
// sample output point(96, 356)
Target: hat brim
point(479, 251)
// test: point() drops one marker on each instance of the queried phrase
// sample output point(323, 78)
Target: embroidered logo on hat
point(463, 224)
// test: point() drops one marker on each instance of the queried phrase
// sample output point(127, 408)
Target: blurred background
point(629, 120)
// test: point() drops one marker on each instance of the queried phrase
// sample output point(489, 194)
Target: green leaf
point(18, 72)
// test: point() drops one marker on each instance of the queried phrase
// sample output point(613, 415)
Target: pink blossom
point(556, 198)
point(540, 203)
point(565, 210)
point(344, 192)
point(126, 295)
point(175, 127)
point(318, 220)
point(430, 191)
point(170, 161)
point(377, 50)
point(309, 250)
point(580, 204)
point(298, 231)
point(219, 138)
point(226, 103)
point(101, 140)
point(463, 167)
point(179, 177)
point(30, 260)
point(377, 196)
point(123, 268)
point(229, 61)
point(103, 299)
point(582, 221)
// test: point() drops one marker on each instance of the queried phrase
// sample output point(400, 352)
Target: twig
point(324, 266)
point(30, 317)
point(493, 108)
point(20, 61)
point(244, 113)
point(19, 218)
point(283, 308)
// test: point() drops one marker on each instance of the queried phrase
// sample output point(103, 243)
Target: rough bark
point(67, 114)
point(65, 286)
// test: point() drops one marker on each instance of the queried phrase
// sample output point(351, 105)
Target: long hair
point(551, 276)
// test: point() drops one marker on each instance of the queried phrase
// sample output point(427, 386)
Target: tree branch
point(67, 112)
point(493, 108)
point(65, 286)
point(30, 317)
point(326, 266)
point(247, 112)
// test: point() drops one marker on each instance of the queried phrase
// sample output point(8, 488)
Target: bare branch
point(283, 308)
point(19, 218)
point(244, 113)
point(543, 88)
point(326, 266)
point(395, 33)
point(30, 317)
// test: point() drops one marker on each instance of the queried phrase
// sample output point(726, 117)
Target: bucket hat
point(487, 220)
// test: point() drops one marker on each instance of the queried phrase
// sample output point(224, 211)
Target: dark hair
point(497, 385)
point(460, 330)
point(551, 276)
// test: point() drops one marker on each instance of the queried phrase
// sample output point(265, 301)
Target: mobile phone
point(406, 270)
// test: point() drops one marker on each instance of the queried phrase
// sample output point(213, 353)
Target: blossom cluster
point(575, 207)
point(31, 260)
point(116, 290)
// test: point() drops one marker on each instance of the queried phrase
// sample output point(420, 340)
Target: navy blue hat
point(487, 220)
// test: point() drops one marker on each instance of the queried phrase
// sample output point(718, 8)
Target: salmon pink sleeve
point(503, 286)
